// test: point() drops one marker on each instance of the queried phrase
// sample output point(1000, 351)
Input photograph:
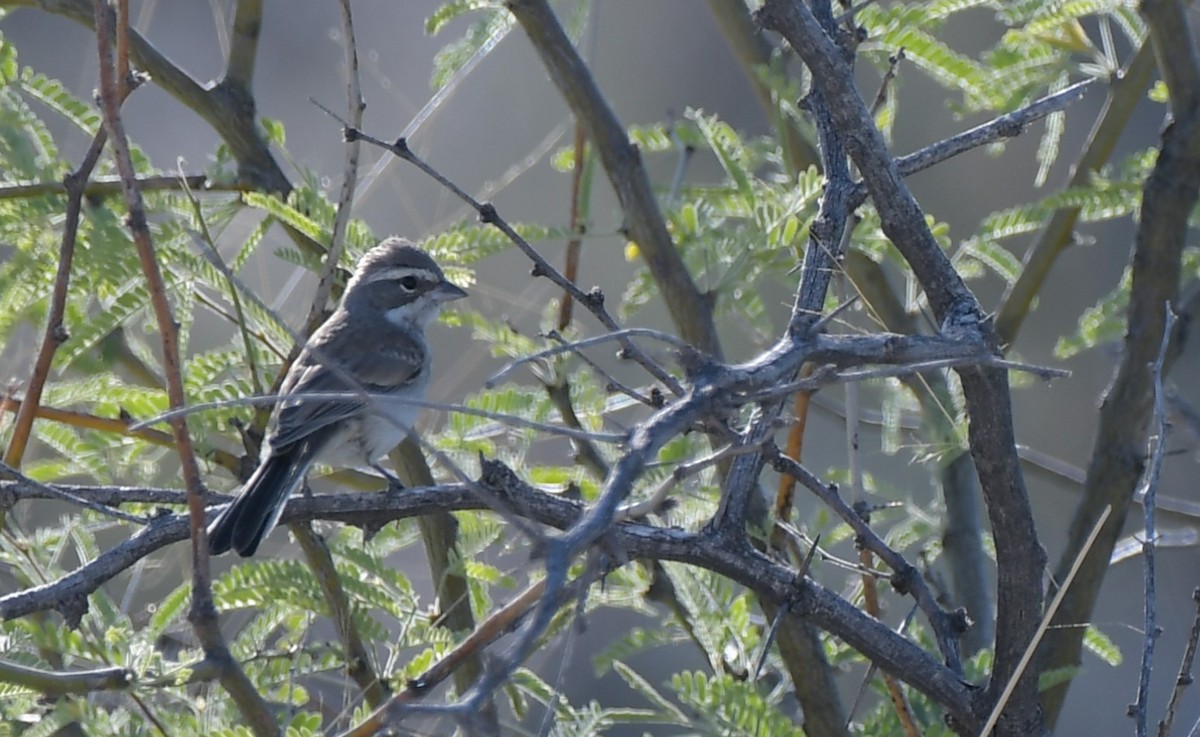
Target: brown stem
point(357, 658)
point(203, 613)
point(571, 267)
point(56, 334)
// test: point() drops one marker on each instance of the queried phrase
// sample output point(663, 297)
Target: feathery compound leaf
point(651, 694)
point(1100, 645)
point(1102, 323)
point(51, 93)
point(453, 9)
point(731, 706)
point(480, 39)
point(287, 214)
point(1056, 124)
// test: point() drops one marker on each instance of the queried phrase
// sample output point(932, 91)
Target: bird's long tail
point(252, 515)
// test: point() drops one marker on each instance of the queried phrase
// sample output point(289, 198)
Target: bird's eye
point(409, 283)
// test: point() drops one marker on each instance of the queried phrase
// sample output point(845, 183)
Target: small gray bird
point(373, 343)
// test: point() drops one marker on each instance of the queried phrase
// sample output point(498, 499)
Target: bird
point(373, 346)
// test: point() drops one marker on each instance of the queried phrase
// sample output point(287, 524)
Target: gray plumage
point(373, 343)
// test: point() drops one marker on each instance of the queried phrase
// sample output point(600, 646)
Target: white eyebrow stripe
point(396, 273)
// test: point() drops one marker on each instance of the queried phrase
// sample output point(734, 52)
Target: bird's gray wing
point(342, 358)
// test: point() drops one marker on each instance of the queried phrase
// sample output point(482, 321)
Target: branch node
point(595, 298)
point(959, 621)
point(657, 400)
point(488, 214)
point(902, 579)
point(72, 607)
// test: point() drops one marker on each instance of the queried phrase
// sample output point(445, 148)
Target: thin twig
point(825, 377)
point(906, 579)
point(886, 83)
point(654, 503)
point(578, 222)
point(271, 399)
point(75, 185)
point(573, 346)
point(13, 474)
point(55, 683)
point(611, 383)
point(203, 614)
point(1157, 441)
point(1031, 648)
point(784, 611)
point(239, 319)
point(1185, 678)
point(101, 187)
point(1006, 126)
point(691, 314)
point(337, 240)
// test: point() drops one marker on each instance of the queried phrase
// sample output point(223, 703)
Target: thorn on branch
point(133, 80)
point(863, 510)
point(959, 621)
point(1010, 128)
point(400, 147)
point(902, 579)
point(488, 214)
point(595, 299)
point(418, 686)
point(657, 400)
point(72, 607)
point(370, 529)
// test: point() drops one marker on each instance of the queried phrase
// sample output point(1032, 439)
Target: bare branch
point(56, 683)
point(1185, 678)
point(622, 162)
point(203, 613)
point(1157, 442)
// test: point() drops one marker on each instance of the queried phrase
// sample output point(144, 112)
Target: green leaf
point(1102, 647)
point(54, 95)
point(651, 694)
point(287, 214)
point(8, 63)
point(479, 40)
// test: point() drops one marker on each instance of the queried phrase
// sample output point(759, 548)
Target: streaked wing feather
point(380, 363)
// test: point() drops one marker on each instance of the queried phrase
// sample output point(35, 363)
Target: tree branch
point(1169, 195)
point(622, 162)
point(986, 390)
point(638, 540)
point(203, 613)
point(1125, 92)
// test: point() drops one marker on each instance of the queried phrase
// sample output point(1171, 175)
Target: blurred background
point(492, 135)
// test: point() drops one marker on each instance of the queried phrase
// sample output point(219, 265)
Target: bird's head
point(401, 282)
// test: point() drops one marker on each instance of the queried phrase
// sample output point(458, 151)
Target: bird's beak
point(447, 292)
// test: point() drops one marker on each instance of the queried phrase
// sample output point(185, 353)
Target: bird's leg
point(394, 482)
